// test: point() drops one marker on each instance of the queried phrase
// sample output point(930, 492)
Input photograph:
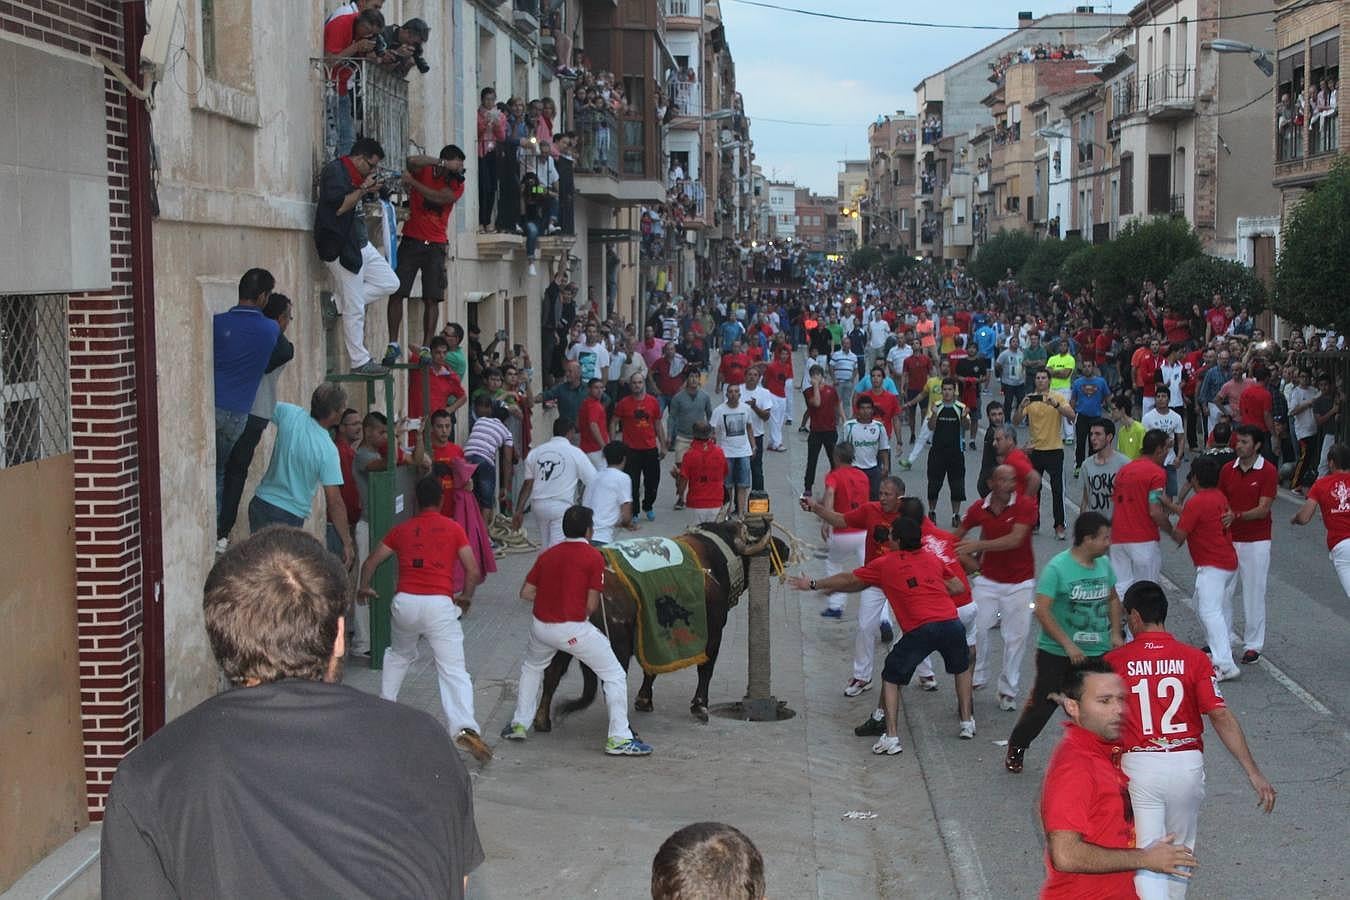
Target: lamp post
point(1262, 60)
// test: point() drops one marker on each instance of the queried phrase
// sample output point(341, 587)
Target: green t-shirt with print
point(1080, 597)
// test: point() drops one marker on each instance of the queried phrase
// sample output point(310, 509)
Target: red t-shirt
point(915, 584)
point(942, 544)
point(428, 221)
point(917, 369)
point(337, 35)
point(637, 421)
point(1004, 566)
point(1332, 493)
point(1192, 370)
point(1202, 520)
point(776, 375)
point(963, 319)
point(1145, 367)
point(443, 386)
point(1253, 405)
point(851, 489)
point(427, 546)
point(704, 466)
point(1021, 464)
point(885, 406)
point(1085, 792)
point(592, 412)
point(1102, 343)
point(1137, 483)
point(351, 497)
point(824, 416)
point(562, 575)
point(666, 383)
point(868, 516)
point(732, 368)
point(447, 453)
point(1171, 689)
point(1217, 319)
point(1086, 338)
point(1244, 490)
point(1176, 329)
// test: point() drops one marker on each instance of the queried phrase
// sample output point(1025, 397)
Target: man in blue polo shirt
point(1089, 396)
point(244, 340)
point(304, 453)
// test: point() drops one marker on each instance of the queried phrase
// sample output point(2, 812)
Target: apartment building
point(853, 181)
point(782, 211)
point(817, 222)
point(1309, 133)
point(888, 209)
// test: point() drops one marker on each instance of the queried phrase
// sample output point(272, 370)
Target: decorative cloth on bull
point(666, 580)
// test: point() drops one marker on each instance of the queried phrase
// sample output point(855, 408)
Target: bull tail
point(589, 683)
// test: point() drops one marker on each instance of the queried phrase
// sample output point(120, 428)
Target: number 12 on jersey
point(1169, 691)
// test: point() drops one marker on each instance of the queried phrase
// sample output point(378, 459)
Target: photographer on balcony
point(399, 47)
point(349, 38)
point(435, 184)
point(360, 274)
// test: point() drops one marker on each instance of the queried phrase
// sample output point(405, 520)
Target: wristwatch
point(813, 584)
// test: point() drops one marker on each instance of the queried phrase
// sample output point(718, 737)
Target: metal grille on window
point(34, 379)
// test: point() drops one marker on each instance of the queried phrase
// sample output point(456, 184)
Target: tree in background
point(1143, 251)
point(1312, 275)
point(1195, 281)
point(1042, 267)
point(1005, 250)
point(1077, 271)
point(898, 263)
point(864, 258)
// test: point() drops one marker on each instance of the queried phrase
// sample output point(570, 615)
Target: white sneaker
point(855, 687)
point(1231, 675)
point(887, 745)
point(929, 683)
point(967, 729)
point(533, 270)
point(1006, 703)
point(222, 544)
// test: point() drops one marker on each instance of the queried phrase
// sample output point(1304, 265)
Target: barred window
point(34, 378)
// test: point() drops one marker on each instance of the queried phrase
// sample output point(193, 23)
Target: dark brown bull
point(620, 608)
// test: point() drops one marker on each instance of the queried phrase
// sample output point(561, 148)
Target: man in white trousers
point(1006, 577)
point(1140, 510)
point(1250, 483)
point(565, 585)
point(360, 274)
point(875, 520)
point(1170, 688)
point(553, 471)
point(428, 546)
point(1331, 494)
point(846, 488)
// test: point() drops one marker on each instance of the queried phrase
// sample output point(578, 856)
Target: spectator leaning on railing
point(348, 38)
point(360, 274)
point(399, 47)
point(435, 184)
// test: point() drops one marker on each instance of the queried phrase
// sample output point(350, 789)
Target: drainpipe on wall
point(147, 389)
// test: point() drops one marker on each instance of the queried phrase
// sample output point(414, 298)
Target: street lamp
point(1262, 61)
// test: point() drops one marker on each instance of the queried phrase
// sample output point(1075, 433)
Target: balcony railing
point(689, 195)
point(378, 107)
point(1289, 144)
point(597, 142)
point(1169, 86)
point(1177, 206)
point(686, 99)
point(681, 8)
point(1324, 134)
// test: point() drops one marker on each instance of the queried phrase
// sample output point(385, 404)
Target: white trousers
point(777, 414)
point(1214, 413)
point(707, 514)
point(1340, 558)
point(1322, 468)
point(354, 291)
point(548, 516)
point(1009, 605)
point(788, 387)
point(1066, 431)
point(590, 646)
point(1165, 791)
point(1253, 567)
point(872, 611)
point(361, 611)
point(437, 618)
point(921, 441)
point(1140, 561)
point(1214, 605)
point(844, 553)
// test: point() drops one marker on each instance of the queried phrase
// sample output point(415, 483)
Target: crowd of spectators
point(1037, 53)
point(931, 129)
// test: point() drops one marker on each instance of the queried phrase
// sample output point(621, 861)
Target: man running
point(1100, 469)
point(1141, 508)
point(1204, 529)
point(565, 585)
point(1331, 494)
point(871, 447)
point(1170, 688)
point(553, 471)
point(1250, 483)
point(846, 488)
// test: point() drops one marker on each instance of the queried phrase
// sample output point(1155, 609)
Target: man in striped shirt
point(489, 440)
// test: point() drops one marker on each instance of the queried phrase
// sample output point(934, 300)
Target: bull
point(617, 617)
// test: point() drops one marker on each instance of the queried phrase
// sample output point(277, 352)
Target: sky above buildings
point(844, 74)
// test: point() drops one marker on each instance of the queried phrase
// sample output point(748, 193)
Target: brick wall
point(103, 433)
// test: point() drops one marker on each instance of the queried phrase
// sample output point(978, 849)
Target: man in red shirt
point(1203, 528)
point(1170, 689)
point(1089, 837)
point(917, 367)
point(777, 374)
point(1144, 363)
point(429, 546)
point(874, 518)
point(823, 418)
point(593, 423)
point(349, 431)
point(435, 184)
point(1217, 318)
point(444, 387)
point(1007, 576)
point(731, 368)
point(565, 584)
point(704, 469)
point(846, 488)
point(1331, 494)
point(1256, 408)
point(348, 37)
point(637, 422)
point(885, 405)
point(1250, 483)
point(1139, 507)
point(916, 583)
point(1028, 482)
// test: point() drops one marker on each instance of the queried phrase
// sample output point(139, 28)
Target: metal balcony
point(379, 106)
point(686, 8)
point(1168, 92)
point(686, 100)
point(1324, 134)
point(597, 143)
point(1177, 206)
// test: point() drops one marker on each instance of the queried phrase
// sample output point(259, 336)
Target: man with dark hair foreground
point(708, 860)
point(253, 793)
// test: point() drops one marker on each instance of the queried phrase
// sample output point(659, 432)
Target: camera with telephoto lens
point(381, 44)
point(456, 177)
point(420, 61)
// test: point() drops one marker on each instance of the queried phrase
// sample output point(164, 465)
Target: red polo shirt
point(562, 575)
point(915, 584)
point(851, 489)
point(1137, 483)
point(592, 411)
point(1004, 566)
point(704, 467)
point(1244, 489)
point(825, 416)
point(1202, 520)
point(885, 406)
point(427, 547)
point(1085, 792)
